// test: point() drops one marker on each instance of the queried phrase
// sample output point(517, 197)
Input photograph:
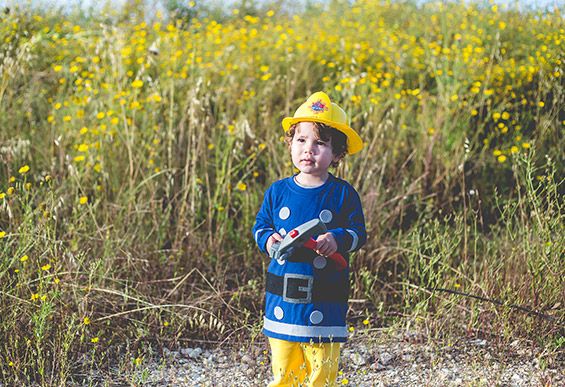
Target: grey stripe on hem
point(304, 331)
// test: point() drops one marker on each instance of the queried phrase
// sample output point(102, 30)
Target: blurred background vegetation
point(136, 143)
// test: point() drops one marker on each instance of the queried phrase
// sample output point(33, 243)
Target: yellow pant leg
point(287, 362)
point(322, 361)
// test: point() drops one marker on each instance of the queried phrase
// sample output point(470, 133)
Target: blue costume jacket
point(306, 297)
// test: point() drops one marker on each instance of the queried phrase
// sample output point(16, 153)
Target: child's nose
point(308, 147)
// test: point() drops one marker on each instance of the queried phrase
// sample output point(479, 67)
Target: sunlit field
point(136, 145)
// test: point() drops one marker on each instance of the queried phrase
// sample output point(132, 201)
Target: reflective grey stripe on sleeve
point(355, 239)
point(261, 230)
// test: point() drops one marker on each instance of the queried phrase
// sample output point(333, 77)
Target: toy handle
point(336, 257)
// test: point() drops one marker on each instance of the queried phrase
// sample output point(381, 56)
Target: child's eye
point(320, 143)
point(300, 140)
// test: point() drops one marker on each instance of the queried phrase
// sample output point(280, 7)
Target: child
point(306, 299)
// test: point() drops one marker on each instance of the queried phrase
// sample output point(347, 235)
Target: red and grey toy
point(301, 236)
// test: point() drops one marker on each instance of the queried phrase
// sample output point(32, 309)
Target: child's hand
point(326, 244)
point(272, 239)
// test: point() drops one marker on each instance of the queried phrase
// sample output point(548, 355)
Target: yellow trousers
point(303, 364)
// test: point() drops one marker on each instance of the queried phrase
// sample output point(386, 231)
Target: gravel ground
point(374, 359)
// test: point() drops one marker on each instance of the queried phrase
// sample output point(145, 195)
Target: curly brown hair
point(324, 132)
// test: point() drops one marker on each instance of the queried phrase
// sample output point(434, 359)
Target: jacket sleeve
point(264, 226)
point(353, 235)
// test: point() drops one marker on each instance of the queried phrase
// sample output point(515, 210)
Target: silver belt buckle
point(301, 283)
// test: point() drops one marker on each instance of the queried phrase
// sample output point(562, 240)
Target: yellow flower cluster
point(363, 55)
point(122, 92)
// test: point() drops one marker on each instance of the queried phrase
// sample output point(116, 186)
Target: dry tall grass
point(136, 147)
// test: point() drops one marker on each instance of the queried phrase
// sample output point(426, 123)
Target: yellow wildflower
point(86, 320)
point(94, 340)
point(2, 234)
point(501, 159)
point(23, 170)
point(46, 267)
point(241, 186)
point(138, 83)
point(24, 258)
point(83, 200)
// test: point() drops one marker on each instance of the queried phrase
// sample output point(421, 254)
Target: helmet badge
point(318, 107)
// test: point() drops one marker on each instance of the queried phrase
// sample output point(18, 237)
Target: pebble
point(247, 359)
point(378, 366)
point(358, 359)
point(407, 357)
point(385, 358)
point(516, 379)
point(185, 351)
point(362, 364)
point(195, 353)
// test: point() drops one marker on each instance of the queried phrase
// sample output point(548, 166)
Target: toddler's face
point(310, 154)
